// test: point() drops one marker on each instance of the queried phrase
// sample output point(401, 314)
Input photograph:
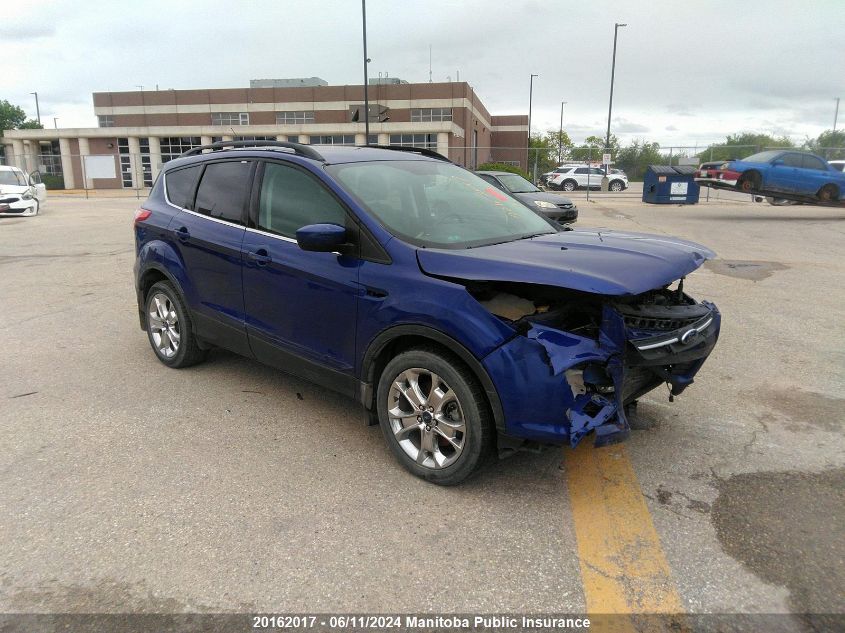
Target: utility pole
point(366, 80)
point(612, 77)
point(530, 103)
point(55, 122)
point(560, 135)
point(835, 116)
point(37, 109)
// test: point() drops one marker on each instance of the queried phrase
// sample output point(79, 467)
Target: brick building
point(140, 130)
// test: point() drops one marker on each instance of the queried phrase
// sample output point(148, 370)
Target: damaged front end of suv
point(588, 340)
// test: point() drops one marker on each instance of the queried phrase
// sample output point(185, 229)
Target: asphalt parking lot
point(125, 485)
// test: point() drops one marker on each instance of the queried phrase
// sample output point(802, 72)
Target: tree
point(829, 144)
point(637, 156)
point(742, 145)
point(542, 152)
point(594, 147)
point(13, 117)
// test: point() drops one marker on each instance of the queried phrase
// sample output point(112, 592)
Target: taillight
point(142, 214)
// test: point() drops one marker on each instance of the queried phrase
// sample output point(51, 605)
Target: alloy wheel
point(164, 325)
point(426, 418)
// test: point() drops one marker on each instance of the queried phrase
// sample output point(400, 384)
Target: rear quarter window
point(179, 185)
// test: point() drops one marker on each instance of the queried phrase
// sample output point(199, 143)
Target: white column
point(84, 151)
point(384, 139)
point(135, 162)
point(304, 139)
point(30, 157)
point(18, 158)
point(282, 137)
point(67, 163)
point(228, 137)
point(155, 156)
point(205, 140)
point(360, 139)
point(443, 143)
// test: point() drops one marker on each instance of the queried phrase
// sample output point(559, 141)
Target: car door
point(814, 175)
point(581, 175)
point(301, 306)
point(39, 186)
point(783, 173)
point(208, 233)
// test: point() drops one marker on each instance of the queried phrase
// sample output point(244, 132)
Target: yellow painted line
point(623, 567)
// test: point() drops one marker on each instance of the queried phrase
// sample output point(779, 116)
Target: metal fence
point(129, 174)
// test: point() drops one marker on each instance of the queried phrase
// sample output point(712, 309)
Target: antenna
point(429, 63)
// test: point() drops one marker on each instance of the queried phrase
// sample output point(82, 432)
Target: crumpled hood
point(596, 261)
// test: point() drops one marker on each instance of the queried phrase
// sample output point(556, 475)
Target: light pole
point(530, 103)
point(37, 109)
point(612, 76)
point(560, 134)
point(836, 114)
point(55, 122)
point(366, 80)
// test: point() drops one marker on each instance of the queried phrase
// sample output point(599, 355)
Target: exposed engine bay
point(609, 350)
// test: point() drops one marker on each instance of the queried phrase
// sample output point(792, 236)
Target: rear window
point(222, 190)
point(180, 186)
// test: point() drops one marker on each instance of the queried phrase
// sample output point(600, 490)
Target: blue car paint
point(599, 262)
point(791, 180)
point(421, 287)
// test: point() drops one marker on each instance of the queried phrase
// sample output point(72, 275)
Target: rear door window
point(793, 160)
point(811, 162)
point(222, 191)
point(179, 185)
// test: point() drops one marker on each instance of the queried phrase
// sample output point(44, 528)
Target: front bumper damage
point(566, 385)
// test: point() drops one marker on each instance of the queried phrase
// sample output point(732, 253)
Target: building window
point(294, 116)
point(105, 120)
point(334, 139)
point(146, 165)
point(258, 139)
point(431, 114)
point(173, 146)
point(510, 163)
point(230, 118)
point(423, 141)
point(125, 162)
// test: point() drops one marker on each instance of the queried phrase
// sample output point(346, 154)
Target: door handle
point(261, 257)
point(182, 234)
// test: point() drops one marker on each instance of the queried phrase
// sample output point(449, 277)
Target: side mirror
point(321, 238)
point(35, 178)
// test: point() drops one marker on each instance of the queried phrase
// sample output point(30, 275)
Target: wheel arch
point(399, 338)
point(147, 278)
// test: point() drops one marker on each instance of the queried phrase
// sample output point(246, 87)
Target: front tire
point(749, 182)
point(617, 185)
point(569, 185)
point(169, 327)
point(434, 416)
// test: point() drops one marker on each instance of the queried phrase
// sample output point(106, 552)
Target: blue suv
point(464, 322)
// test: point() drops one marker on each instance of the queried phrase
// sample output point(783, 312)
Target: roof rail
point(298, 148)
point(416, 150)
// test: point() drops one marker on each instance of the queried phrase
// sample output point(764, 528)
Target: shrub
point(53, 182)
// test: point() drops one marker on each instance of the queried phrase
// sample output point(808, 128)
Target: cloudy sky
point(687, 72)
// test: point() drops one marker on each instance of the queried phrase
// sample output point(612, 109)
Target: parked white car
point(20, 194)
point(837, 164)
point(572, 177)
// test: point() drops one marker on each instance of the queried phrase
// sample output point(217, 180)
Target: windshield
point(9, 177)
point(516, 183)
point(763, 157)
point(437, 204)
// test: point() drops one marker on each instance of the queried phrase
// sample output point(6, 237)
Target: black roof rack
point(298, 148)
point(417, 150)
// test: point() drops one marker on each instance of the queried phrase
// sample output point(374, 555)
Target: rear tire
point(749, 182)
point(569, 185)
point(170, 329)
point(441, 431)
point(828, 193)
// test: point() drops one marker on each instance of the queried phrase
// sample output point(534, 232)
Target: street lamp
point(836, 114)
point(37, 109)
point(612, 76)
point(530, 103)
point(55, 122)
point(560, 134)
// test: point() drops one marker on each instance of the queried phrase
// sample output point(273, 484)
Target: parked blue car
point(777, 171)
point(464, 322)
